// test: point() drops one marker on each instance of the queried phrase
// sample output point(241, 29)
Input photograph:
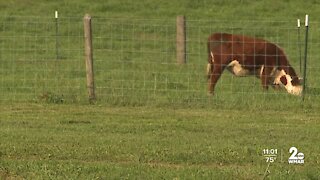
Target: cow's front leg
point(265, 76)
point(276, 86)
point(214, 77)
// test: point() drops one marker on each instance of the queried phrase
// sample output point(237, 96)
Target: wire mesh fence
point(30, 68)
point(135, 61)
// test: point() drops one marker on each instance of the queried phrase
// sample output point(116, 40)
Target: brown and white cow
point(244, 56)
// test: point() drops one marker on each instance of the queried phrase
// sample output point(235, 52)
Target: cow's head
point(291, 83)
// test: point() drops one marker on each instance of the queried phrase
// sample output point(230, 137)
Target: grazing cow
point(244, 56)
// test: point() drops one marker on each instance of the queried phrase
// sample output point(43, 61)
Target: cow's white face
point(285, 80)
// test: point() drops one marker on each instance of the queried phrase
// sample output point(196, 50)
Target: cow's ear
point(283, 80)
point(301, 80)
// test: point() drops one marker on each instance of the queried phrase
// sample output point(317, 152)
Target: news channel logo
point(296, 156)
point(271, 155)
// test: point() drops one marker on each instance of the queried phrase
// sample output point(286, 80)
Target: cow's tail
point(210, 65)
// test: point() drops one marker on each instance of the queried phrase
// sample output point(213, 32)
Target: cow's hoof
point(210, 94)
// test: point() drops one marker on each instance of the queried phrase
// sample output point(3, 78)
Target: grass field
point(94, 142)
point(153, 119)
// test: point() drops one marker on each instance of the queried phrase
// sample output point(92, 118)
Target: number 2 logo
point(294, 154)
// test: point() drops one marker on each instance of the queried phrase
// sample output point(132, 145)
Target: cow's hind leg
point(214, 77)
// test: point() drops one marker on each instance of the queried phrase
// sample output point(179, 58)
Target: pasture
point(153, 118)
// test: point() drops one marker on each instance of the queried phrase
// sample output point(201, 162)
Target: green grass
point(72, 141)
point(153, 118)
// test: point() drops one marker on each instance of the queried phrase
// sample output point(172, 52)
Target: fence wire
point(135, 61)
point(30, 68)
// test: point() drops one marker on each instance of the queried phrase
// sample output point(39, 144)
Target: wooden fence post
point(89, 57)
point(181, 40)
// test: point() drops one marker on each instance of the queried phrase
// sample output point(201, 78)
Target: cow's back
point(245, 49)
point(218, 39)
